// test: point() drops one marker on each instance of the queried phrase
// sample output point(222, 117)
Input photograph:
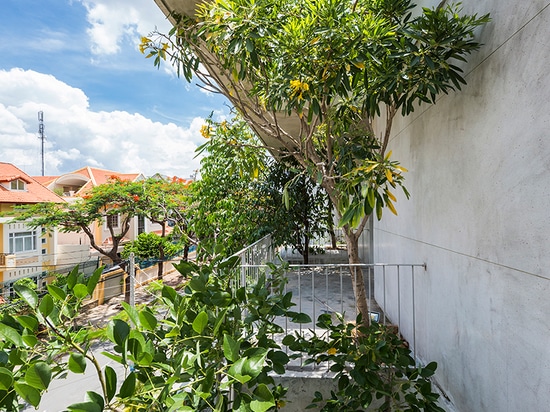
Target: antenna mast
point(41, 136)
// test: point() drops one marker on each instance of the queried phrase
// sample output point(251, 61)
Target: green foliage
point(31, 342)
point(373, 368)
point(242, 193)
point(160, 200)
point(298, 208)
point(226, 203)
point(323, 81)
point(334, 67)
point(209, 347)
point(151, 246)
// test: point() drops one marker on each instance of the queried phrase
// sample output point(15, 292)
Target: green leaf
point(85, 407)
point(46, 306)
point(264, 399)
point(299, 317)
point(80, 291)
point(28, 295)
point(197, 283)
point(6, 379)
point(118, 331)
point(39, 375)
point(132, 313)
point(56, 292)
point(96, 398)
point(286, 198)
point(93, 280)
point(185, 268)
point(9, 333)
point(72, 278)
point(200, 322)
point(77, 362)
point(221, 299)
point(371, 197)
point(231, 348)
point(128, 386)
point(253, 366)
point(28, 393)
point(236, 371)
point(110, 382)
point(29, 339)
point(29, 322)
point(148, 320)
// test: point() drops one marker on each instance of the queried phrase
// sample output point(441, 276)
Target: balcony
point(326, 288)
point(7, 261)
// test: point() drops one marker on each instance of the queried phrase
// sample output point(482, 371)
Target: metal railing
point(327, 289)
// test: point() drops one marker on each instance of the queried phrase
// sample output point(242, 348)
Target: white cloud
point(78, 136)
point(115, 21)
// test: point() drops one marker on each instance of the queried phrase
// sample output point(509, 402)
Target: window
point(112, 221)
point(141, 224)
point(22, 242)
point(17, 184)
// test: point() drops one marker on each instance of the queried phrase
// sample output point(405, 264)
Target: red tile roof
point(34, 193)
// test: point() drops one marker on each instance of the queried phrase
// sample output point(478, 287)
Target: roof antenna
point(41, 136)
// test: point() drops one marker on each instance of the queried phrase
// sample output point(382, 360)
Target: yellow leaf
point(391, 207)
point(391, 196)
point(389, 175)
point(401, 168)
point(388, 155)
point(332, 351)
point(359, 65)
point(371, 168)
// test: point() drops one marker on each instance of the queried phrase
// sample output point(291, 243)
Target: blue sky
point(104, 104)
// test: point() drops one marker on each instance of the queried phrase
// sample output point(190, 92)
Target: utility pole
point(41, 135)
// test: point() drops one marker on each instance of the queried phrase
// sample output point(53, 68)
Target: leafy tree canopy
point(314, 78)
point(159, 200)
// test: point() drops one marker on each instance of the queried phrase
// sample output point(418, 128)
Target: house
point(73, 185)
point(479, 175)
point(24, 251)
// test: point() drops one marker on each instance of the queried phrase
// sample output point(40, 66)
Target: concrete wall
point(479, 175)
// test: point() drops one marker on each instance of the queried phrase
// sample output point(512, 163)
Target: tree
point(151, 246)
point(313, 77)
point(115, 198)
point(212, 348)
point(159, 200)
point(297, 210)
point(165, 202)
point(226, 207)
point(239, 197)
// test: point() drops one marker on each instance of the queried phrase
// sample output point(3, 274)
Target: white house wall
point(479, 175)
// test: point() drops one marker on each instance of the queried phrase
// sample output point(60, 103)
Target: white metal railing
point(327, 288)
point(258, 253)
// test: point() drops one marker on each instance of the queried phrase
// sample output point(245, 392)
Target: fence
point(327, 289)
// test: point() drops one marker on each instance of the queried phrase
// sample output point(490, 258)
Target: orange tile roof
point(45, 180)
point(34, 193)
point(95, 176)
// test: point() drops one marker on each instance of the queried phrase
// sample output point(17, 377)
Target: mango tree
point(313, 78)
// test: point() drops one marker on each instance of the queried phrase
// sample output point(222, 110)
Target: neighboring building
point(24, 252)
point(479, 175)
point(75, 184)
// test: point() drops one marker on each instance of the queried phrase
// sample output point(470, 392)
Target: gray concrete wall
point(479, 175)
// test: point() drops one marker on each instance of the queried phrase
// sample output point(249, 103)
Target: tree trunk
point(306, 250)
point(357, 279)
point(160, 263)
